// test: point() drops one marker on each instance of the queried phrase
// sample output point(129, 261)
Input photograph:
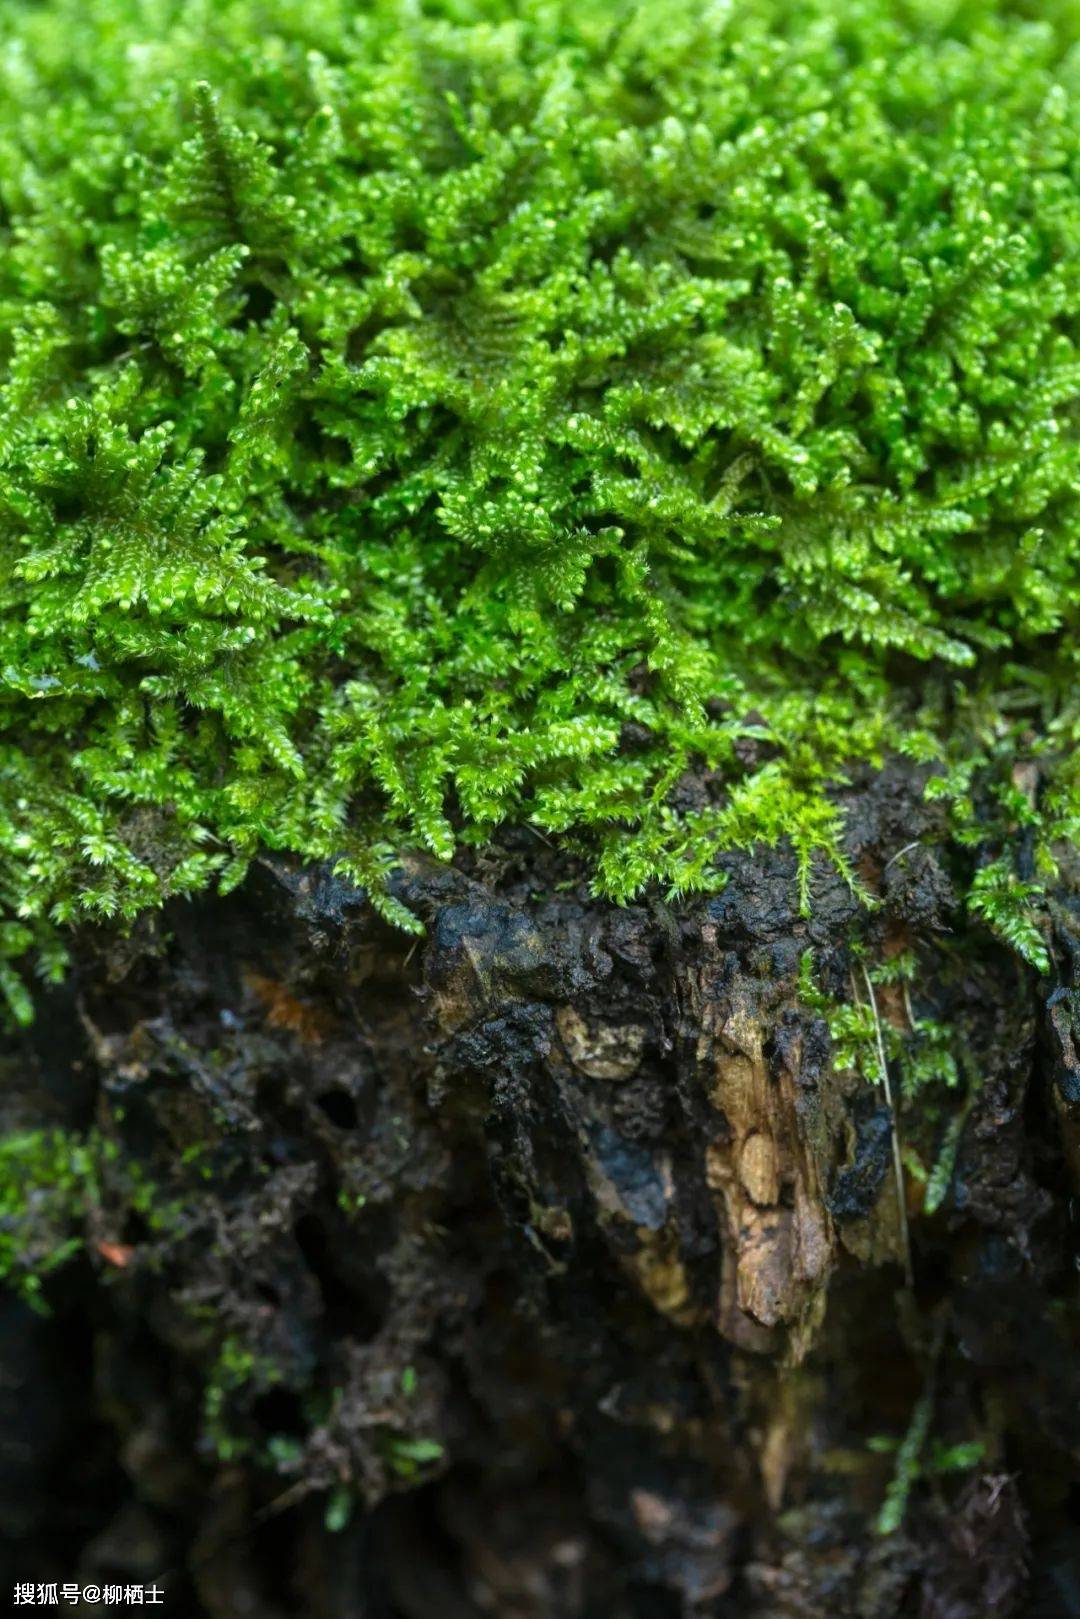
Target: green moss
point(51, 1183)
point(418, 417)
point(237, 1372)
point(407, 1457)
point(918, 1457)
point(48, 1178)
point(929, 1056)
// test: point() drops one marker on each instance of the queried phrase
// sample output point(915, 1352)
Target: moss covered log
point(433, 418)
point(539, 903)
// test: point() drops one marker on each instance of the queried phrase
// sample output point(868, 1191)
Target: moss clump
point(48, 1178)
point(52, 1182)
point(415, 417)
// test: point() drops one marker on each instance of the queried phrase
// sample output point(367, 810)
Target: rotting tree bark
point(560, 1242)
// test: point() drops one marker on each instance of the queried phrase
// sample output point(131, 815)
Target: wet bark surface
point(548, 1267)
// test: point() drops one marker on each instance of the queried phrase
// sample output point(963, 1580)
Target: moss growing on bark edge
point(614, 418)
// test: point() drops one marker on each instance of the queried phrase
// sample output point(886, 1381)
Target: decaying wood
point(576, 1196)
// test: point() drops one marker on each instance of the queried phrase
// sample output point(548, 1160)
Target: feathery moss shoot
point(423, 415)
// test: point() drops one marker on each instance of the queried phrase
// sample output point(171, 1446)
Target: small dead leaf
point(116, 1253)
point(284, 1010)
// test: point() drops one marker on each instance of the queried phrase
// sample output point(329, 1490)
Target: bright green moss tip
point(419, 416)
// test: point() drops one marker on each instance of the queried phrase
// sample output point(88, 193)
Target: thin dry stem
point(898, 1167)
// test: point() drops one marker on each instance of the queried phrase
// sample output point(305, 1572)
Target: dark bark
point(557, 1240)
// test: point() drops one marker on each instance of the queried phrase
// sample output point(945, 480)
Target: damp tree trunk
point(550, 1266)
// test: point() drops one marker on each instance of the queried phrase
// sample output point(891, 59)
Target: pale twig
point(898, 1166)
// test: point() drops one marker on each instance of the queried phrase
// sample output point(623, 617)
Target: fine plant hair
point(423, 416)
